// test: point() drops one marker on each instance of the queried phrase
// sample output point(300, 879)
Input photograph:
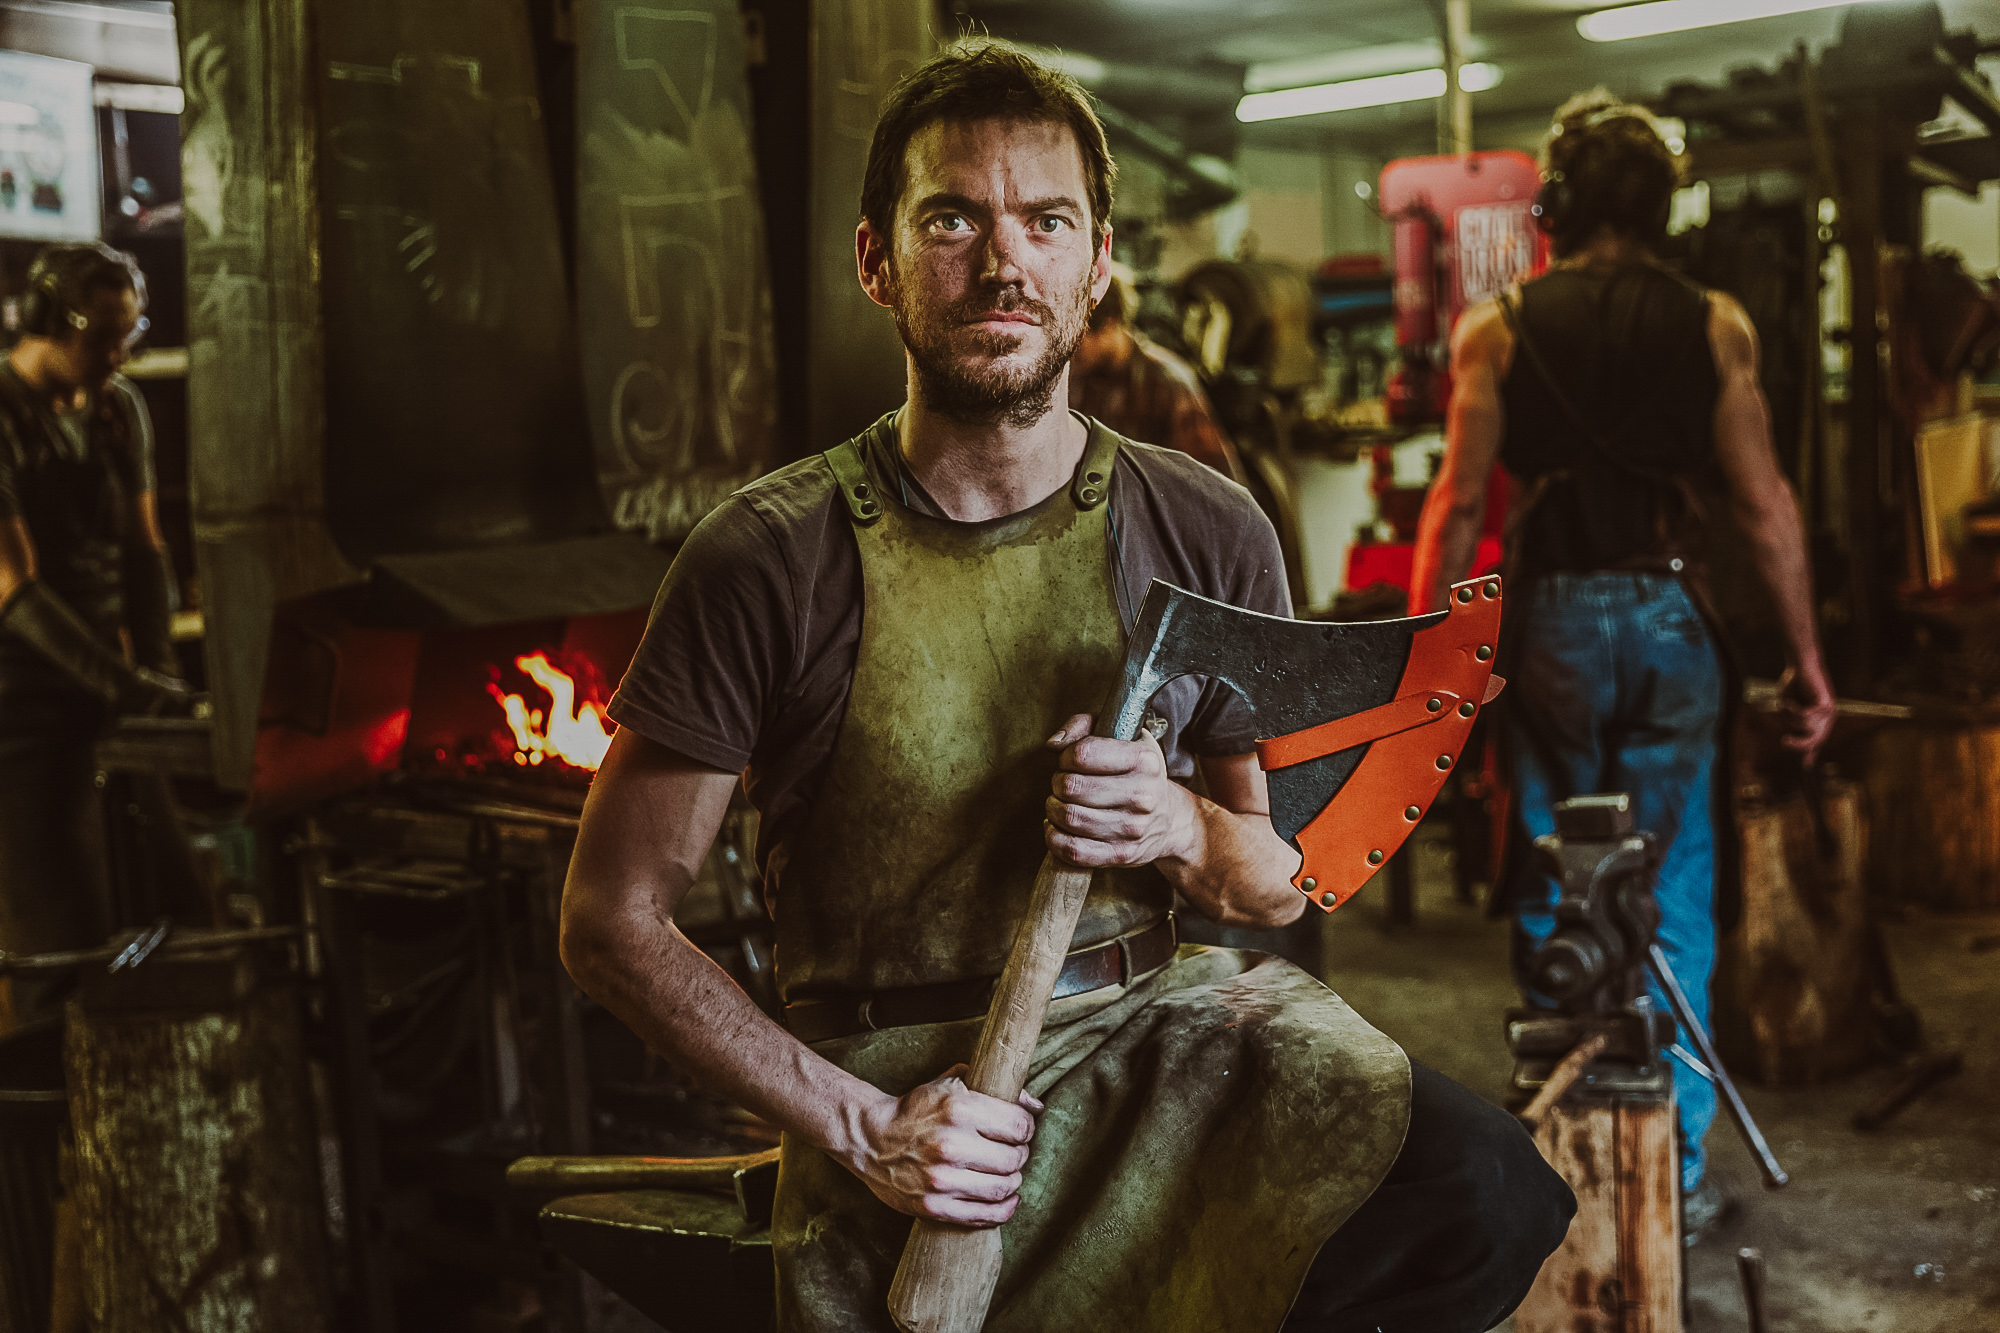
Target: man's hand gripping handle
point(945, 1281)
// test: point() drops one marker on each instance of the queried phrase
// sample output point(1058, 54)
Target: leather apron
point(1210, 1124)
point(54, 876)
point(1676, 555)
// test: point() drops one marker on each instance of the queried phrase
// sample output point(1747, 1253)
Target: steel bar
point(1774, 1175)
point(1920, 1076)
point(70, 958)
point(1750, 1271)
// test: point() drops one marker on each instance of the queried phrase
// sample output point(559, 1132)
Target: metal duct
point(859, 49)
point(454, 405)
point(673, 305)
point(248, 157)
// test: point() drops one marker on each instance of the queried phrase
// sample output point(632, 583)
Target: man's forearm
point(1778, 549)
point(1236, 870)
point(1447, 544)
point(686, 1008)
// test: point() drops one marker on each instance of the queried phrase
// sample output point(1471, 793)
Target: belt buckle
point(1125, 960)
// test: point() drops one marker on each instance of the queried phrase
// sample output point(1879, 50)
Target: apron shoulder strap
point(850, 477)
point(1089, 488)
point(1092, 483)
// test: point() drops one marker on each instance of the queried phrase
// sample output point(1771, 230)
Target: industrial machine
point(1464, 229)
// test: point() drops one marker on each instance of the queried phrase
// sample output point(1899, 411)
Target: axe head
point(1360, 722)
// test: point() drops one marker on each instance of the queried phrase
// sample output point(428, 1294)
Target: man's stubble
point(980, 393)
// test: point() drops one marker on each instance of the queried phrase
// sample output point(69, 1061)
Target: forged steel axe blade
point(1360, 722)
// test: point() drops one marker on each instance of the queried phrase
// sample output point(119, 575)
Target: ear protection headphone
point(59, 277)
point(1552, 201)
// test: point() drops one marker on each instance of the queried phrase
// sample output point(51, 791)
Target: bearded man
point(897, 645)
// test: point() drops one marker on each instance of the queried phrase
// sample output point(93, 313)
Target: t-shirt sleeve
point(131, 404)
point(718, 644)
point(1252, 576)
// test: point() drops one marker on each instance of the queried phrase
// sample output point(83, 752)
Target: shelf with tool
point(1832, 185)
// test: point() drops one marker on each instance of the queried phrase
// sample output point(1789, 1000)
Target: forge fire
point(565, 731)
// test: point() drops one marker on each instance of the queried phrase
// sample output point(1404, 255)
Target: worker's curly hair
point(981, 78)
point(1605, 164)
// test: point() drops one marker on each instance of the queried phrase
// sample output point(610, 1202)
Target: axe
point(1390, 702)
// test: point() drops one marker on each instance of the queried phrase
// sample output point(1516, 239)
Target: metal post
point(1456, 128)
point(1861, 229)
point(344, 998)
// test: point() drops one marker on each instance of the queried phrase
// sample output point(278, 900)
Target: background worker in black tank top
point(1624, 401)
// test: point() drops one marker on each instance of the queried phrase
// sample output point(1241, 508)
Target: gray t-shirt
point(748, 657)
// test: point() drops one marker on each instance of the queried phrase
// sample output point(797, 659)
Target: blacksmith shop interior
point(510, 508)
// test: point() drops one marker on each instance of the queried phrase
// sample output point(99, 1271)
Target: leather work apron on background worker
point(1209, 1122)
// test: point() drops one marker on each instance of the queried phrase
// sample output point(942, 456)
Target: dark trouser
point(1453, 1237)
point(53, 891)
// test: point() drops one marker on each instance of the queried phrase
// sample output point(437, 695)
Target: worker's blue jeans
point(1616, 686)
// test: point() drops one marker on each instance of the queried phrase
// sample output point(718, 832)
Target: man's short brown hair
point(983, 79)
point(1607, 166)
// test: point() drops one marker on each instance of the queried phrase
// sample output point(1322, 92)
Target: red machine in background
point(1464, 229)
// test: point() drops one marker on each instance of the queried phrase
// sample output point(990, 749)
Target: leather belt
point(1113, 963)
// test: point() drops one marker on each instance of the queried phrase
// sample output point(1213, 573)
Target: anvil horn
point(1390, 702)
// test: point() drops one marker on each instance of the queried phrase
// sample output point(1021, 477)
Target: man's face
point(991, 269)
point(86, 358)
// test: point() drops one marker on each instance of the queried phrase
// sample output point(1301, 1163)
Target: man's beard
point(985, 394)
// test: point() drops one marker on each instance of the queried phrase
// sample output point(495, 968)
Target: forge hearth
point(346, 704)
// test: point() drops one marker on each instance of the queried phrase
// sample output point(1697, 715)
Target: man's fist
point(947, 1153)
point(1113, 803)
point(1810, 709)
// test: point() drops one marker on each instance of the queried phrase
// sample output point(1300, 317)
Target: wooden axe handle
point(945, 1281)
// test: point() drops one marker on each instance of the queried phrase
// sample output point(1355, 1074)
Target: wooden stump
point(1794, 984)
point(1619, 1268)
point(1934, 811)
point(197, 1184)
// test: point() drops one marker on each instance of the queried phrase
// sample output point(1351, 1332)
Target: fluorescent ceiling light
point(162, 97)
point(1650, 20)
point(1084, 69)
point(1415, 86)
point(1355, 62)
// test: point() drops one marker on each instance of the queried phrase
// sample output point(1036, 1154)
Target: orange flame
point(578, 736)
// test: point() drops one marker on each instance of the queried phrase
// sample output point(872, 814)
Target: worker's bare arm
point(17, 557)
point(942, 1151)
point(142, 520)
point(1765, 507)
point(1482, 347)
point(1114, 805)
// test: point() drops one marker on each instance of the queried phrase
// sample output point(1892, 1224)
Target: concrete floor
point(1894, 1232)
